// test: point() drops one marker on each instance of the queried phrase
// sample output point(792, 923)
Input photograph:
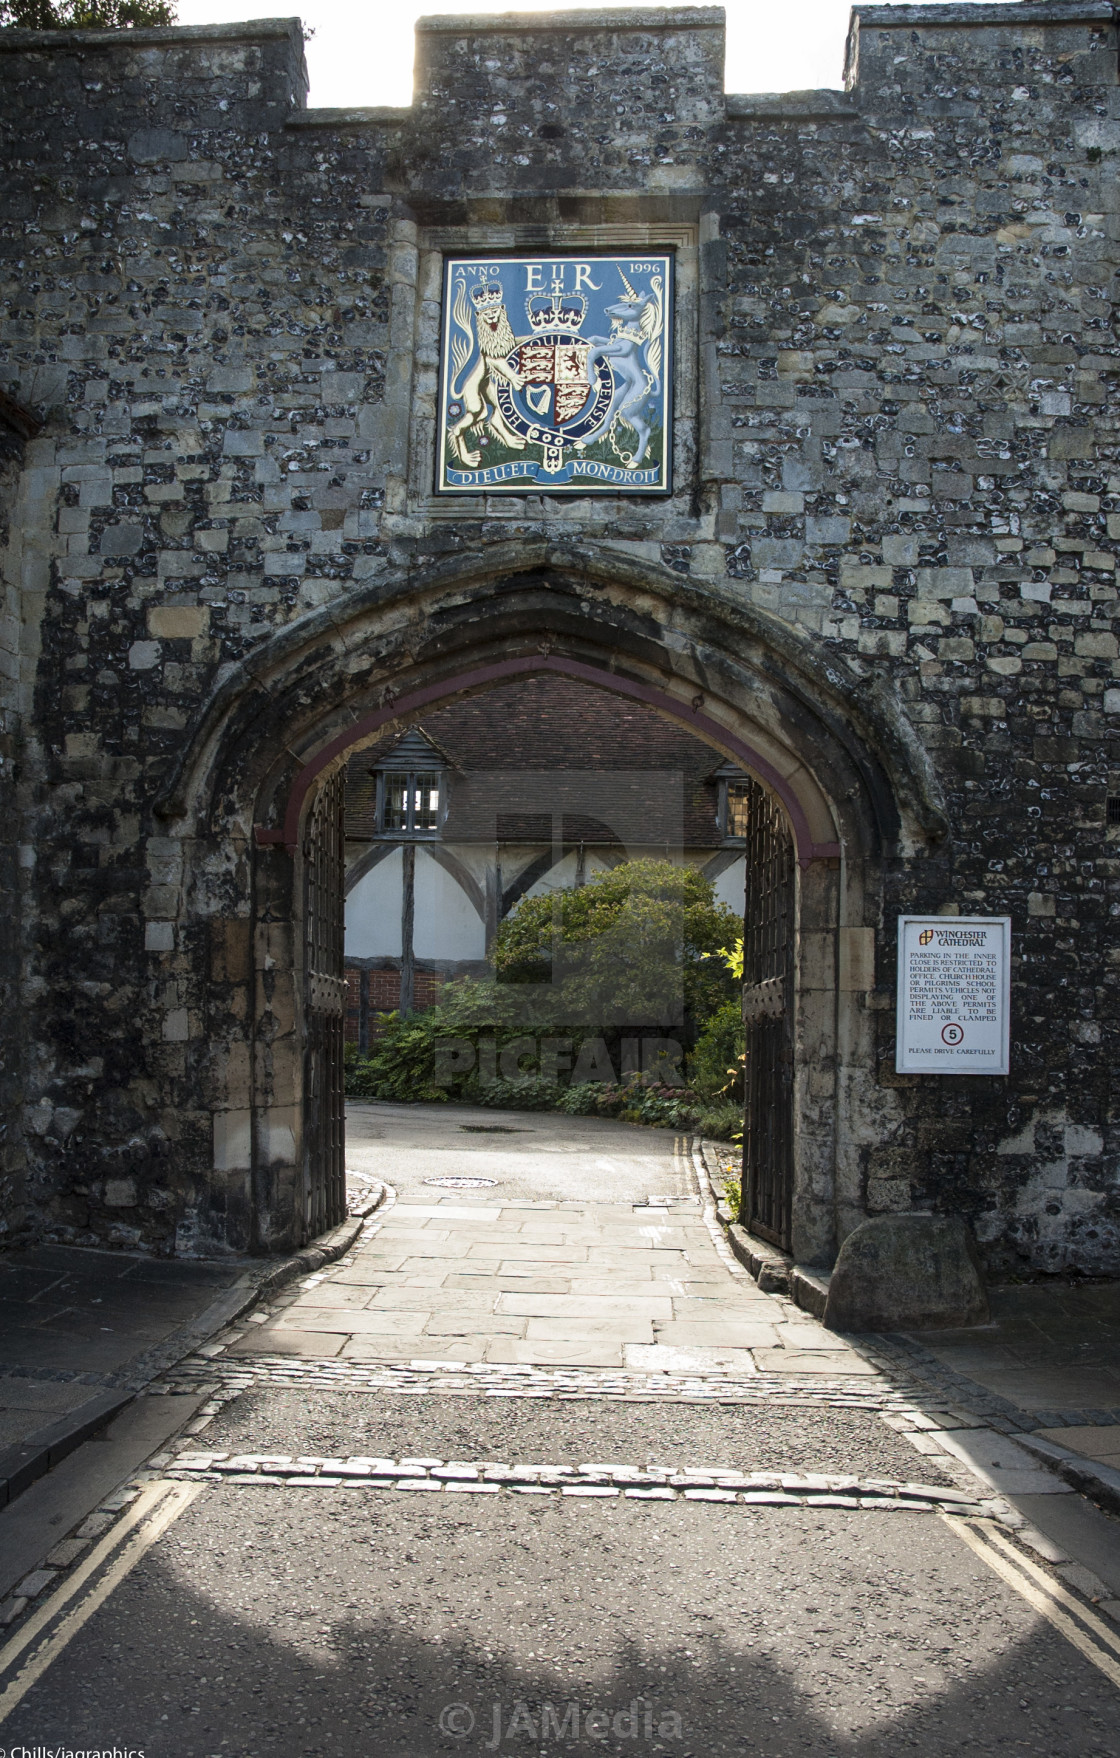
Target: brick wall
point(383, 995)
point(555, 726)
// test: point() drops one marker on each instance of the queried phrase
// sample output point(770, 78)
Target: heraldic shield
point(556, 375)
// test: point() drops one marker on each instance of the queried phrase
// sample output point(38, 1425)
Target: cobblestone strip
point(652, 1483)
point(207, 1370)
point(431, 1475)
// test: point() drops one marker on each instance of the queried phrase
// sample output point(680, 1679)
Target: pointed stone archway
point(832, 748)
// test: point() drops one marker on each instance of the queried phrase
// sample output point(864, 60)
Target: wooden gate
point(768, 999)
point(324, 1173)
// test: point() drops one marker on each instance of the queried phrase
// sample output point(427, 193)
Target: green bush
point(85, 15)
point(715, 1065)
point(582, 1100)
point(662, 1107)
point(527, 1093)
point(721, 1122)
point(633, 1101)
point(402, 1063)
point(617, 953)
point(733, 1197)
point(402, 1067)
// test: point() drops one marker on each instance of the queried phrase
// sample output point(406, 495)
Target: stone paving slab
point(636, 1288)
point(556, 1284)
point(663, 1358)
point(419, 1239)
point(728, 1333)
point(513, 1283)
point(467, 1348)
point(574, 1306)
point(512, 1251)
point(639, 1262)
point(1049, 1347)
point(1009, 1468)
point(613, 1333)
point(74, 1321)
point(560, 1354)
point(314, 1318)
point(804, 1361)
point(497, 1324)
point(1048, 1388)
point(426, 1300)
point(346, 1294)
point(1098, 1441)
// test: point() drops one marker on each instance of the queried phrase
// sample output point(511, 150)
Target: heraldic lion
point(496, 342)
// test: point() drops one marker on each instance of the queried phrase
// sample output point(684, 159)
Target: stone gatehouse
point(883, 583)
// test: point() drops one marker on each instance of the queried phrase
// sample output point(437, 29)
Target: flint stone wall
point(896, 431)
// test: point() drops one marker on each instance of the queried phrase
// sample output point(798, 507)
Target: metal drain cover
point(461, 1183)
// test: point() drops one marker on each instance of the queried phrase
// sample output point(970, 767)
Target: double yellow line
point(1097, 1640)
point(25, 1659)
point(27, 1656)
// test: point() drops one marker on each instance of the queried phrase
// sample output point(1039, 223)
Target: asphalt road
point(525, 1431)
point(521, 1154)
point(286, 1624)
point(340, 1620)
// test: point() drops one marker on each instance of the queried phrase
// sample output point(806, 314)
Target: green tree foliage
point(83, 15)
point(628, 947)
point(715, 1066)
point(732, 957)
point(633, 946)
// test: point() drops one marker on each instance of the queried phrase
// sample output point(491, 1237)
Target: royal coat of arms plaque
point(556, 375)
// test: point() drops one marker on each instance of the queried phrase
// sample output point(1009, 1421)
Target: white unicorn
point(634, 351)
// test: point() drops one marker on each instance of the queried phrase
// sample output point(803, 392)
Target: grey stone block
point(155, 145)
point(907, 1272)
point(122, 540)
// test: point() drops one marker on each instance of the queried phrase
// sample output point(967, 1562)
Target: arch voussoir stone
point(722, 661)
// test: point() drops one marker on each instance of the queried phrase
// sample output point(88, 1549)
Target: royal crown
point(556, 311)
point(486, 294)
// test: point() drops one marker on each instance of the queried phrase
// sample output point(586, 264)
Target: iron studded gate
point(768, 997)
point(324, 1174)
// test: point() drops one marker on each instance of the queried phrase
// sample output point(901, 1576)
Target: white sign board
point(954, 985)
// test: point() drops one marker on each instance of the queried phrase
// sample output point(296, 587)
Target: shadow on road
point(286, 1625)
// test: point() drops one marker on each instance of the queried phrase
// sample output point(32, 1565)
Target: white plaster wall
point(447, 925)
point(563, 875)
point(728, 887)
point(373, 911)
point(731, 884)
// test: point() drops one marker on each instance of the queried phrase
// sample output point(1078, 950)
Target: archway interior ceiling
point(834, 746)
point(801, 798)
